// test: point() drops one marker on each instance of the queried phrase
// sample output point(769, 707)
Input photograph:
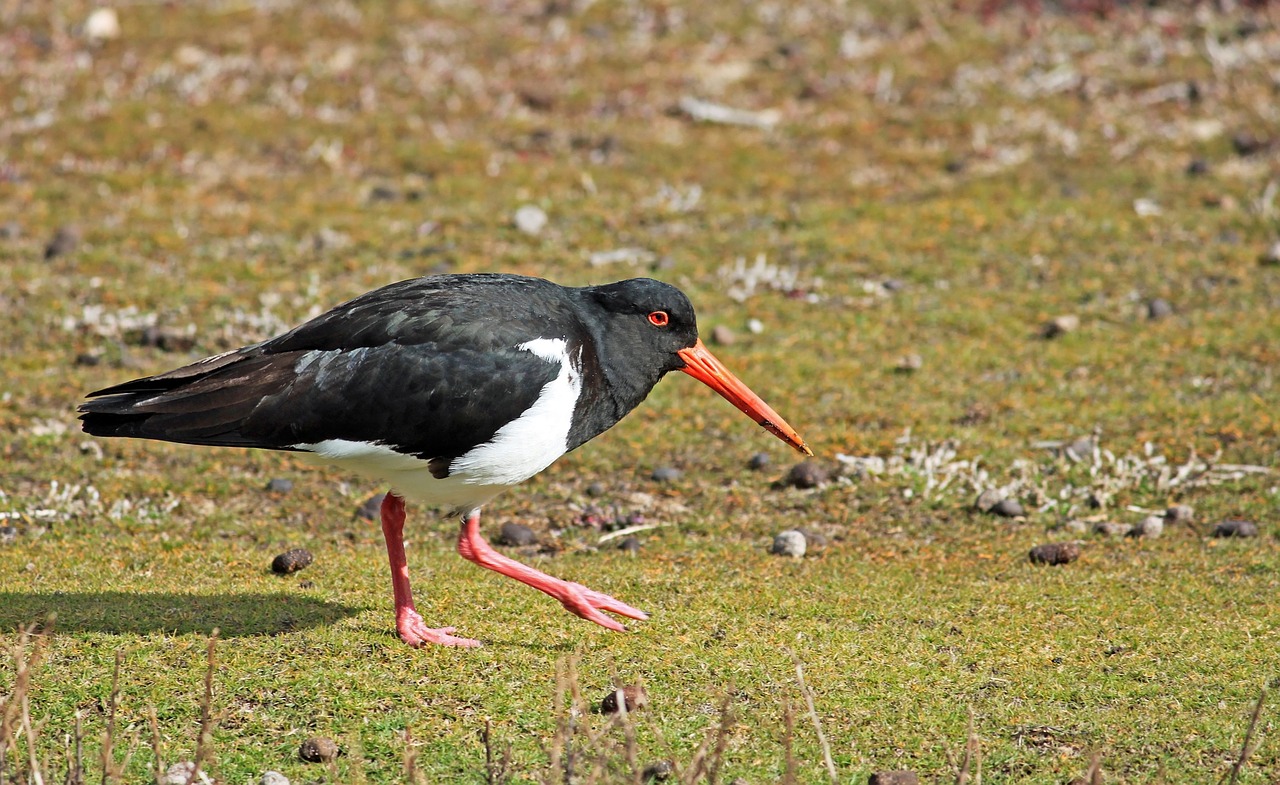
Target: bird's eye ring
point(659, 318)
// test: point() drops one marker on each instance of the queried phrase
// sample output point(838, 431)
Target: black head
point(644, 323)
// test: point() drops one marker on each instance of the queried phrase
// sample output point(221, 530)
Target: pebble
point(8, 535)
point(814, 538)
point(629, 544)
point(759, 462)
point(1180, 513)
point(1236, 528)
point(1080, 449)
point(1197, 167)
point(1055, 553)
point(596, 489)
point(383, 193)
point(755, 326)
point(909, 363)
point(1007, 508)
point(180, 773)
point(102, 25)
point(632, 694)
point(657, 772)
point(1151, 526)
point(665, 474)
point(279, 485)
point(273, 778)
point(516, 534)
point(1246, 143)
point(371, 508)
point(806, 474)
point(292, 561)
point(318, 749)
point(1074, 526)
point(988, 499)
point(1060, 325)
point(900, 777)
point(723, 336)
point(530, 219)
point(1112, 529)
point(1271, 256)
point(789, 543)
point(1158, 309)
point(10, 230)
point(65, 240)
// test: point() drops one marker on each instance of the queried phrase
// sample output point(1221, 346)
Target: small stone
point(1007, 508)
point(1197, 167)
point(813, 538)
point(516, 534)
point(1059, 325)
point(1080, 449)
point(596, 489)
point(633, 696)
point(8, 535)
point(806, 474)
point(789, 543)
point(1158, 309)
point(987, 500)
point(900, 777)
point(183, 772)
point(383, 193)
point(1151, 526)
point(1179, 513)
point(279, 485)
point(665, 474)
point(10, 230)
point(1236, 528)
point(306, 585)
point(65, 240)
point(1271, 256)
point(723, 336)
point(318, 749)
point(755, 326)
point(1247, 143)
point(1112, 529)
point(909, 363)
point(1055, 553)
point(102, 25)
point(292, 561)
point(657, 772)
point(759, 462)
point(629, 544)
point(88, 359)
point(1074, 526)
point(371, 508)
point(893, 284)
point(273, 778)
point(530, 219)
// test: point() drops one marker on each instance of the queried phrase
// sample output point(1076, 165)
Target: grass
point(232, 169)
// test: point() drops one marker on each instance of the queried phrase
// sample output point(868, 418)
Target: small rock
point(1197, 167)
point(279, 485)
point(596, 489)
point(182, 772)
point(1007, 508)
point(1073, 526)
point(88, 359)
point(665, 474)
point(789, 543)
point(530, 219)
point(806, 474)
point(901, 777)
point(1059, 325)
point(1179, 513)
point(1151, 526)
point(1247, 143)
point(755, 326)
point(102, 25)
point(987, 500)
point(1271, 256)
point(1112, 529)
point(1147, 207)
point(65, 240)
point(893, 284)
point(273, 778)
point(723, 336)
point(318, 749)
point(630, 544)
point(1055, 553)
point(371, 508)
point(306, 585)
point(8, 535)
point(516, 534)
point(657, 772)
point(292, 561)
point(10, 230)
point(1158, 309)
point(1236, 528)
point(633, 695)
point(383, 193)
point(909, 363)
point(758, 462)
point(813, 538)
point(1080, 449)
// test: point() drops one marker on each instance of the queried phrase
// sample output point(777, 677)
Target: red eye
point(659, 318)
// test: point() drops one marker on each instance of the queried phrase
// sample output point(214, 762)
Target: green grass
point(201, 177)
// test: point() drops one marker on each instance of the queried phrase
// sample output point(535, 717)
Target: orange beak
point(703, 366)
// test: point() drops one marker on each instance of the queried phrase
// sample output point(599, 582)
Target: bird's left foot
point(587, 603)
point(415, 632)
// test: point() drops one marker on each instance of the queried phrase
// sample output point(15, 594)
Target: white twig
point(630, 530)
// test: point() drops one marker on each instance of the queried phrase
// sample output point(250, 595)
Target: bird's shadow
point(140, 613)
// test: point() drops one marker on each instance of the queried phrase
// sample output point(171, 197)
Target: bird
point(451, 389)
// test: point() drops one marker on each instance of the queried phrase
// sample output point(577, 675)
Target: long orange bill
point(702, 365)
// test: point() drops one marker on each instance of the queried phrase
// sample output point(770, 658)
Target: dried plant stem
point(788, 736)
point(108, 737)
point(1246, 749)
point(205, 740)
point(972, 757)
point(817, 723)
point(158, 762)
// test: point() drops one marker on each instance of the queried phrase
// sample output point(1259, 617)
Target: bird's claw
point(587, 604)
point(415, 632)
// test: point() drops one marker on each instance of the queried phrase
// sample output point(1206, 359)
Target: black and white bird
point(451, 388)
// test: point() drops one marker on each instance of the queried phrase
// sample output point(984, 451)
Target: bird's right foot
point(415, 632)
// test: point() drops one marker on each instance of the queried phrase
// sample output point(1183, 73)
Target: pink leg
point(413, 630)
point(576, 598)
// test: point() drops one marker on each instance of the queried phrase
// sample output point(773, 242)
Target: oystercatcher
point(451, 388)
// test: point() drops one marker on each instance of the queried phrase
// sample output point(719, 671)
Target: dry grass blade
point(106, 756)
point(497, 770)
point(788, 738)
point(157, 762)
point(971, 766)
point(817, 723)
point(706, 761)
point(204, 742)
point(1246, 748)
point(15, 720)
point(411, 756)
